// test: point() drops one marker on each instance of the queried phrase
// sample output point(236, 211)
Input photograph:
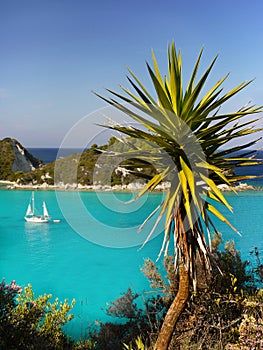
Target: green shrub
point(27, 322)
point(226, 313)
point(139, 345)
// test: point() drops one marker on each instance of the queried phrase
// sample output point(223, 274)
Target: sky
point(55, 53)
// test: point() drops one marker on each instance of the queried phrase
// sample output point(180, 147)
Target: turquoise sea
point(93, 254)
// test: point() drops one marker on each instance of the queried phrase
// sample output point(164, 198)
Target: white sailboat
point(31, 215)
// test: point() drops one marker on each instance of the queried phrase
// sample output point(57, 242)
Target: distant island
point(20, 169)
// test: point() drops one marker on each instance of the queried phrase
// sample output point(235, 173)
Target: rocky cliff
point(18, 165)
point(24, 161)
point(15, 158)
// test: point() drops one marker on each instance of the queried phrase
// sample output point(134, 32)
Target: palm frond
point(189, 132)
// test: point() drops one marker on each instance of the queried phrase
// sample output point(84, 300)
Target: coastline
point(9, 185)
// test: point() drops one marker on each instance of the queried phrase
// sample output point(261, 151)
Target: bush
point(225, 313)
point(217, 314)
point(133, 322)
point(215, 317)
point(27, 322)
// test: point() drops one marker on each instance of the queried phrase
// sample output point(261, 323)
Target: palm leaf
point(180, 123)
point(221, 217)
point(216, 191)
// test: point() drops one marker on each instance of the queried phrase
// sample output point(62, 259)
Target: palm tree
point(194, 136)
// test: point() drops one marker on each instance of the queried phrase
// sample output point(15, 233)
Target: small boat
point(31, 215)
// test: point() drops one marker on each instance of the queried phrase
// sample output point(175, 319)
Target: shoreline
point(9, 185)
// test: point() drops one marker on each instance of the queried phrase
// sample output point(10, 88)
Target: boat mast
point(33, 202)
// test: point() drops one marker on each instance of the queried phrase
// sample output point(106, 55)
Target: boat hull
point(37, 219)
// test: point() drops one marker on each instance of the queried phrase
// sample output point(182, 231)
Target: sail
point(33, 217)
point(45, 212)
point(29, 210)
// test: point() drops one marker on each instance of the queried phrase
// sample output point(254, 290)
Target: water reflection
point(38, 246)
point(37, 232)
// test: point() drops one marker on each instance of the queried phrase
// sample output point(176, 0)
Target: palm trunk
point(172, 315)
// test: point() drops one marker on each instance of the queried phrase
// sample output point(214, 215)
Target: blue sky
point(54, 53)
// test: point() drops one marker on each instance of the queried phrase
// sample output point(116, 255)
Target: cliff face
point(18, 165)
point(14, 157)
point(24, 161)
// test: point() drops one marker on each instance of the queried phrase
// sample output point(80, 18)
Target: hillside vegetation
point(77, 168)
point(14, 158)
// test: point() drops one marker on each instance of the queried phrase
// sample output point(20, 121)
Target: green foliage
point(250, 330)
point(251, 333)
point(168, 284)
point(217, 314)
point(124, 307)
point(256, 267)
point(211, 319)
point(230, 262)
point(28, 322)
point(76, 168)
point(7, 158)
point(187, 131)
point(183, 123)
point(84, 345)
point(133, 323)
point(225, 313)
point(138, 343)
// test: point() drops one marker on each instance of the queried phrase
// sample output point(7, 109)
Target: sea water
point(48, 155)
point(70, 260)
point(58, 259)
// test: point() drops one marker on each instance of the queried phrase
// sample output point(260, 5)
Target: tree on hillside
point(192, 150)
